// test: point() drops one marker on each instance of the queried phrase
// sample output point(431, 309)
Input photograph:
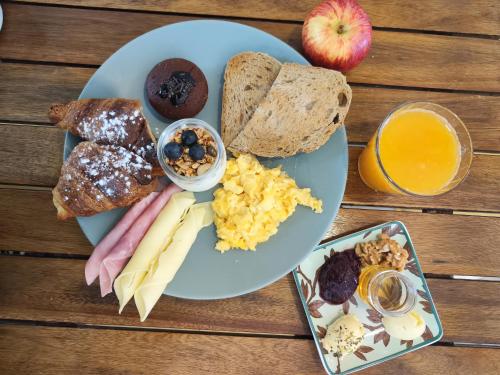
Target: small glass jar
point(388, 291)
point(208, 179)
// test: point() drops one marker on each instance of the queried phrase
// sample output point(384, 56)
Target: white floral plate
point(378, 346)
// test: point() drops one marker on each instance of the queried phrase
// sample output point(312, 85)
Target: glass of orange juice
point(420, 149)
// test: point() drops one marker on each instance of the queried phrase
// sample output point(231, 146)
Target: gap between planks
point(350, 144)
point(37, 254)
point(41, 323)
point(347, 206)
point(35, 323)
point(243, 18)
point(352, 83)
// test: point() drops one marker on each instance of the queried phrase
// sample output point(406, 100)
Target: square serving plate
point(378, 346)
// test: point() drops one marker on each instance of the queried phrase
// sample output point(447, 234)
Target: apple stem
point(340, 29)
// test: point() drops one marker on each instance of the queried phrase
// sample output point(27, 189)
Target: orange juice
point(418, 152)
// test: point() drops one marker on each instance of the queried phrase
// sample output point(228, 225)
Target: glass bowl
point(204, 181)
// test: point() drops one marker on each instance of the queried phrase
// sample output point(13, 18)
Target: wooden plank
point(479, 191)
point(33, 156)
point(28, 222)
point(480, 113)
point(30, 155)
point(29, 90)
point(442, 244)
point(54, 290)
point(397, 58)
point(440, 15)
point(49, 350)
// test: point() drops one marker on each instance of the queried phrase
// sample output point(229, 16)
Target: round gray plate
point(207, 274)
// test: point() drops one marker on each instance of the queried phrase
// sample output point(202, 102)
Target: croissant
point(97, 178)
point(113, 121)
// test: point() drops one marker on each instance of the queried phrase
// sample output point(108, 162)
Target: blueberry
point(173, 150)
point(189, 137)
point(196, 152)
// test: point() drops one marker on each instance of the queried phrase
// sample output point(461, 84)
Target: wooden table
point(443, 51)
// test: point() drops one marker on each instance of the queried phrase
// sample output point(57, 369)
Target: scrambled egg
point(253, 202)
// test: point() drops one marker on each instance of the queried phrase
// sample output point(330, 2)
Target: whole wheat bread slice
point(247, 79)
point(303, 108)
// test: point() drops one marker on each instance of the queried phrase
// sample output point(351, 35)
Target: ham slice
point(104, 247)
point(121, 252)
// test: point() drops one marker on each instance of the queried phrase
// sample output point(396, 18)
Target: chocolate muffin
point(177, 88)
point(339, 277)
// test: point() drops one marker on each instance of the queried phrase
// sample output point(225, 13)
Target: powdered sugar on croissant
point(112, 121)
point(98, 178)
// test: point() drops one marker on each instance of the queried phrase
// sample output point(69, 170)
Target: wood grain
point(28, 222)
point(397, 58)
point(28, 90)
point(479, 191)
point(19, 166)
point(442, 244)
point(30, 154)
point(49, 350)
point(440, 15)
point(54, 290)
point(370, 106)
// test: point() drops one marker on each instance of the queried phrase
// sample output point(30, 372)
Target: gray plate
point(207, 274)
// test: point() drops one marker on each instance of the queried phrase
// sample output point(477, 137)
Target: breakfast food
point(121, 252)
point(344, 336)
point(163, 269)
point(384, 252)
point(303, 108)
point(339, 277)
point(406, 327)
point(109, 241)
point(253, 201)
point(97, 178)
point(191, 151)
point(192, 154)
point(152, 244)
point(113, 121)
point(177, 88)
point(247, 79)
point(337, 34)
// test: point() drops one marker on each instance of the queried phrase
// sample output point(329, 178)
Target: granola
point(185, 165)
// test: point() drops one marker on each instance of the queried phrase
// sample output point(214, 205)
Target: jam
point(177, 88)
point(339, 277)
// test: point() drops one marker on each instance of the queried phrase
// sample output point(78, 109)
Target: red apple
point(337, 34)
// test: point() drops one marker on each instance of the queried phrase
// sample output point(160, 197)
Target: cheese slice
point(163, 270)
point(154, 241)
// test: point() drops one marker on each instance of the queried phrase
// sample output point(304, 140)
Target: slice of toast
point(303, 108)
point(247, 79)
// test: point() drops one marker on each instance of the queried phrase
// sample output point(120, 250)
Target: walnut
point(383, 251)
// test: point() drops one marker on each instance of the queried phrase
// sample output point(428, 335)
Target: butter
point(344, 336)
point(163, 270)
point(406, 327)
point(155, 240)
